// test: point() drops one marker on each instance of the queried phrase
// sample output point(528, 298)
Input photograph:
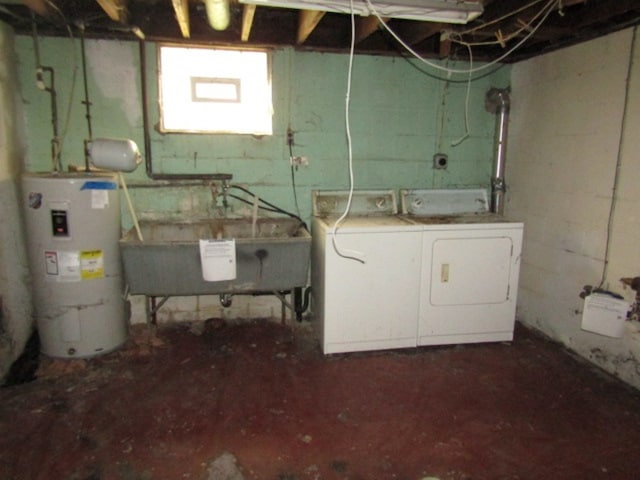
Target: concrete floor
point(188, 403)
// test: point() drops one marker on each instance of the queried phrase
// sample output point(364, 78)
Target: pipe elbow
point(498, 100)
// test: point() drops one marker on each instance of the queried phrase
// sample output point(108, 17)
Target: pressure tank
point(73, 226)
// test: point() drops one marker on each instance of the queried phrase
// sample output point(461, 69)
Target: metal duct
point(498, 102)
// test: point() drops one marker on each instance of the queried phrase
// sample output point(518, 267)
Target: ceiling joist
point(248, 12)
point(307, 22)
point(40, 7)
point(116, 10)
point(416, 32)
point(181, 9)
point(366, 26)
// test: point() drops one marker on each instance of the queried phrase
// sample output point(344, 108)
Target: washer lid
point(424, 202)
point(371, 223)
point(364, 202)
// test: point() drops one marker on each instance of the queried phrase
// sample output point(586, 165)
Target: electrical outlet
point(299, 161)
point(290, 139)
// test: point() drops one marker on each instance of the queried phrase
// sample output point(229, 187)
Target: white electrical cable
point(545, 11)
point(457, 142)
point(441, 113)
point(621, 143)
point(348, 254)
point(499, 19)
point(357, 256)
point(533, 30)
point(134, 217)
point(500, 39)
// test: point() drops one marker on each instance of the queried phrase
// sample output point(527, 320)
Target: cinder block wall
point(575, 113)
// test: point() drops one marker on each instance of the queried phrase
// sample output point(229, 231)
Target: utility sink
point(272, 254)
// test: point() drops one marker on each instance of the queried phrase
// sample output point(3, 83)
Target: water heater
point(73, 226)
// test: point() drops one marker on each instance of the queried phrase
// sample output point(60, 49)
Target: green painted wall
point(400, 117)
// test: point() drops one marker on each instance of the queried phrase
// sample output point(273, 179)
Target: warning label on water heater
point(75, 266)
point(62, 266)
point(92, 264)
point(51, 262)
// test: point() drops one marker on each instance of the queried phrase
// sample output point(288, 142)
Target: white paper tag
point(218, 260)
point(99, 199)
point(69, 267)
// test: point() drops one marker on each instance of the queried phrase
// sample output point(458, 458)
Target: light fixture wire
point(548, 8)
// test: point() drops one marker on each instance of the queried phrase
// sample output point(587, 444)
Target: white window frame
point(214, 90)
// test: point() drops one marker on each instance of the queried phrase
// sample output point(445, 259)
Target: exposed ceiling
point(539, 26)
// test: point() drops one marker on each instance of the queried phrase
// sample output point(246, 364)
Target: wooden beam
point(307, 22)
point(366, 26)
point(416, 32)
point(116, 9)
point(445, 48)
point(39, 7)
point(181, 8)
point(248, 11)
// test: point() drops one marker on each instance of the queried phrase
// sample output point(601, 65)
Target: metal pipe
point(55, 141)
point(498, 102)
point(301, 304)
point(51, 90)
point(86, 102)
point(226, 299)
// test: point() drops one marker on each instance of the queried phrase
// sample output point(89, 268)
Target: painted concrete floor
point(262, 395)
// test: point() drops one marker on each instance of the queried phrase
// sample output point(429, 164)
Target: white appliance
point(371, 302)
point(470, 267)
point(73, 228)
point(604, 314)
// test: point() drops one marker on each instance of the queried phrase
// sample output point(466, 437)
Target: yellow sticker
point(92, 264)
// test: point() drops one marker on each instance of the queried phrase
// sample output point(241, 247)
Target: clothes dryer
point(470, 267)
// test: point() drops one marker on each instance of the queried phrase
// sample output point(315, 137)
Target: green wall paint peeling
point(399, 117)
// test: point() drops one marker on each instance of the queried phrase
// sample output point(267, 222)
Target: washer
point(470, 267)
point(370, 301)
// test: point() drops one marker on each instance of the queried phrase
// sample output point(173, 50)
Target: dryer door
point(469, 285)
point(470, 271)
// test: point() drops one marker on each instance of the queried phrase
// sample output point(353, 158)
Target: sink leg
point(148, 309)
point(153, 310)
point(297, 303)
point(152, 307)
point(283, 313)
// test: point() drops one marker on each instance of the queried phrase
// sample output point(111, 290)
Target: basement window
point(205, 90)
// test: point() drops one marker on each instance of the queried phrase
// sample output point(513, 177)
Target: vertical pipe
point(86, 102)
point(145, 111)
point(498, 183)
point(297, 303)
point(498, 102)
point(51, 89)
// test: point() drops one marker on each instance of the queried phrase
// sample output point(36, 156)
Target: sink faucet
point(224, 179)
point(225, 187)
